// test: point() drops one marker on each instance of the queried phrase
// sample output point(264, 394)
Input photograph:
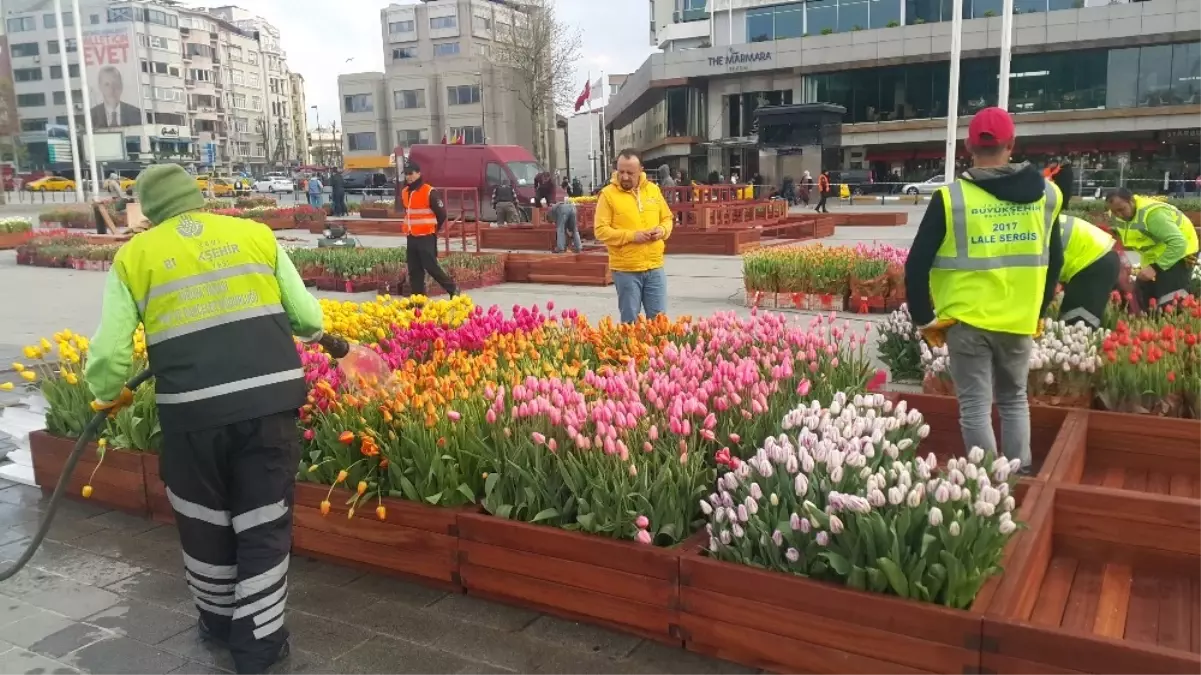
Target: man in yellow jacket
point(633, 220)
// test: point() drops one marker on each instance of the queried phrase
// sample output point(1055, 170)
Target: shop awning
point(889, 155)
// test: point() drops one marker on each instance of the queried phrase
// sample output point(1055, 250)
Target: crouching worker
point(220, 302)
point(1090, 271)
point(1164, 239)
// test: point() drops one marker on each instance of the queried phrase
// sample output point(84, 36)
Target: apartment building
point(300, 124)
point(440, 81)
point(180, 84)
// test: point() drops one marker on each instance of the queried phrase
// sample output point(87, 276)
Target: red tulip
point(1171, 376)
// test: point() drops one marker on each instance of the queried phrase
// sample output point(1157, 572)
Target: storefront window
point(1028, 6)
point(927, 11)
point(775, 23)
point(1186, 73)
point(1155, 76)
point(1056, 5)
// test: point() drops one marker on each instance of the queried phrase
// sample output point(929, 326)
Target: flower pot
point(788, 623)
point(618, 584)
point(156, 491)
point(937, 385)
point(415, 540)
point(118, 484)
point(12, 240)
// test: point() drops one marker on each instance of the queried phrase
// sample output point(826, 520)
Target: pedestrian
point(565, 217)
point(424, 218)
point(577, 188)
point(565, 186)
point(1164, 239)
point(504, 203)
point(1064, 180)
point(338, 193)
point(113, 185)
point(823, 192)
point(665, 178)
point(633, 221)
point(1090, 271)
point(806, 187)
point(315, 192)
point(988, 252)
point(220, 302)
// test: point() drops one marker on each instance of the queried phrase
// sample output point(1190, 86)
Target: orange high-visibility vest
point(419, 217)
point(823, 183)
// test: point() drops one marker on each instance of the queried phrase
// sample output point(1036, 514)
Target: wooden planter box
point(1053, 432)
point(579, 269)
point(613, 583)
point(13, 239)
point(278, 222)
point(788, 624)
point(368, 212)
point(156, 490)
point(119, 484)
point(1112, 586)
point(416, 540)
point(1130, 452)
point(517, 238)
point(713, 242)
point(871, 219)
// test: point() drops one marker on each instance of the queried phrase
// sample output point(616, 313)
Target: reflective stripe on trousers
point(963, 261)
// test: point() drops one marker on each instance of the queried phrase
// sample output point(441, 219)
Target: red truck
point(482, 167)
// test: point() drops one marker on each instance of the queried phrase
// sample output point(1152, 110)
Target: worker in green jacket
point(1165, 240)
point(220, 302)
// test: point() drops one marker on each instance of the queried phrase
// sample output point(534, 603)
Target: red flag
point(583, 97)
point(443, 139)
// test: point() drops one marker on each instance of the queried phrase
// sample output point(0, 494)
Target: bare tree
point(540, 52)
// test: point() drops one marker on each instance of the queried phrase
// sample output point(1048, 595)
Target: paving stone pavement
point(105, 594)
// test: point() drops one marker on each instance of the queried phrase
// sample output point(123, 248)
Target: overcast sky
point(319, 41)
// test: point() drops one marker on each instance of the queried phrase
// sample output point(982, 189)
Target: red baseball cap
point(991, 127)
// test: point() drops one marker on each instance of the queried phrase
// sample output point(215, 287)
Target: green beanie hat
point(165, 191)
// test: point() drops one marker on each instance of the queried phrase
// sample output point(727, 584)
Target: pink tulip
point(552, 445)
point(647, 447)
point(309, 434)
point(490, 416)
point(539, 439)
point(803, 387)
point(643, 537)
point(454, 416)
point(653, 434)
point(642, 522)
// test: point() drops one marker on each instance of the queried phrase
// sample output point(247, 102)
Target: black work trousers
point(231, 488)
point(1087, 294)
point(1169, 285)
point(821, 203)
point(422, 255)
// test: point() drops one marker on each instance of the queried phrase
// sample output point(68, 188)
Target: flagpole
point(603, 144)
point(591, 148)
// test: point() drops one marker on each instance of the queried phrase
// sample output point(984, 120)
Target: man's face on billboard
point(110, 87)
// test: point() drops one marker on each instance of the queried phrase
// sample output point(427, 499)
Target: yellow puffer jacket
point(621, 214)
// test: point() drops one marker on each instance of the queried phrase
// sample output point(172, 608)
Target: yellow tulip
point(32, 352)
point(18, 367)
point(28, 375)
point(6, 386)
point(71, 378)
point(45, 345)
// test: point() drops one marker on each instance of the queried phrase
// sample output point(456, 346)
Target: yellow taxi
point(51, 184)
point(127, 186)
point(222, 187)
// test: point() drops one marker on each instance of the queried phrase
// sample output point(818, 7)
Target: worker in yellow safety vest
point(988, 252)
point(1090, 271)
point(1165, 240)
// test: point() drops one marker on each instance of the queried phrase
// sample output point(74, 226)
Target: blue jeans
point(315, 199)
point(637, 291)
point(565, 219)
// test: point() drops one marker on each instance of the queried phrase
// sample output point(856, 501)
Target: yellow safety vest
point(1135, 237)
point(1083, 245)
point(217, 336)
point(991, 269)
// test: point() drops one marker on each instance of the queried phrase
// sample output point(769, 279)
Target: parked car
point(481, 167)
point(273, 184)
point(51, 184)
point(926, 187)
point(367, 182)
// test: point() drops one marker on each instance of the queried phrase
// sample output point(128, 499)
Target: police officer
point(425, 215)
point(1165, 240)
point(504, 202)
point(220, 302)
point(988, 251)
point(1090, 271)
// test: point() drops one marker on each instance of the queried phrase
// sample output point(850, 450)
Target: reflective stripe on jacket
point(217, 334)
point(1083, 245)
point(419, 217)
point(991, 269)
point(1136, 236)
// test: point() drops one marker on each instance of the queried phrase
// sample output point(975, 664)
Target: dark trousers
point(1087, 294)
point(339, 205)
point(1170, 284)
point(231, 488)
point(422, 255)
point(821, 203)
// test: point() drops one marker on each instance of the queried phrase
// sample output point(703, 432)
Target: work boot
point(208, 635)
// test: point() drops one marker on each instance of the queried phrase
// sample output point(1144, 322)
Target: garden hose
point(89, 433)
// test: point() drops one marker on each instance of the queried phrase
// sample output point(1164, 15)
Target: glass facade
point(1081, 80)
point(821, 17)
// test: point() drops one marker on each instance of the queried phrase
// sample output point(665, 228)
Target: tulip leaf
point(465, 490)
point(857, 578)
point(503, 511)
point(545, 514)
point(434, 498)
point(839, 564)
point(920, 592)
point(406, 485)
point(896, 579)
point(586, 521)
point(490, 482)
point(876, 580)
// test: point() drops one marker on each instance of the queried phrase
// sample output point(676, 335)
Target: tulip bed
point(1145, 364)
point(66, 250)
point(861, 279)
point(14, 231)
point(356, 270)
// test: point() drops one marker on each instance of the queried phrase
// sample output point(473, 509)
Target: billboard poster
point(8, 98)
point(113, 79)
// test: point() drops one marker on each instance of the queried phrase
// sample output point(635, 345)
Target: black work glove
point(336, 347)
